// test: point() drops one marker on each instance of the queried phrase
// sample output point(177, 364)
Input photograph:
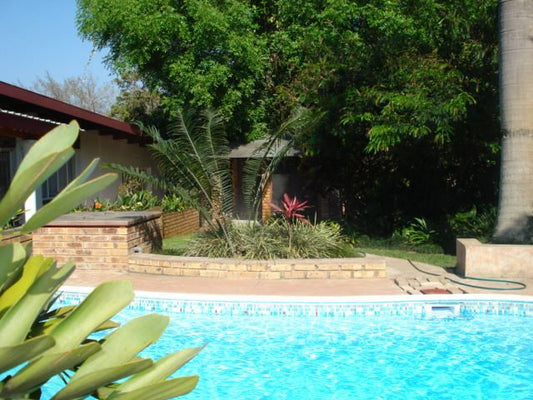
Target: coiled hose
point(521, 285)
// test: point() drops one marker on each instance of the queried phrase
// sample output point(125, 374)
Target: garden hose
point(521, 285)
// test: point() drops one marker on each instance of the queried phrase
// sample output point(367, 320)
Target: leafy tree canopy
point(387, 69)
point(406, 89)
point(199, 53)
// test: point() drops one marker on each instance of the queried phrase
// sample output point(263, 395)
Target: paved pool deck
point(396, 269)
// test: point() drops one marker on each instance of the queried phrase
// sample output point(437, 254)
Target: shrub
point(291, 209)
point(474, 224)
point(173, 203)
point(417, 232)
point(274, 240)
point(137, 201)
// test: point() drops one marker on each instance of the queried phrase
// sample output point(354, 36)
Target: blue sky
point(39, 36)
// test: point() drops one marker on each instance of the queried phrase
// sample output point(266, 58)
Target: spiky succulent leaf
point(123, 344)
point(29, 377)
point(160, 371)
point(91, 382)
point(159, 391)
point(12, 356)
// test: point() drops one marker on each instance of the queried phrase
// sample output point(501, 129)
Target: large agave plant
point(46, 342)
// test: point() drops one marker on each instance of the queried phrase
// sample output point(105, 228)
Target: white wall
point(110, 150)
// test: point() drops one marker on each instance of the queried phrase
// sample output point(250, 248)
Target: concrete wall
point(494, 260)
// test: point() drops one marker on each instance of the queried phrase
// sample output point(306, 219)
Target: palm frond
point(192, 158)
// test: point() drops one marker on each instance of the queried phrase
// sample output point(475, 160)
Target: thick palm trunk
point(515, 212)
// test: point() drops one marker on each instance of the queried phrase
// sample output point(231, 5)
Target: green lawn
point(176, 245)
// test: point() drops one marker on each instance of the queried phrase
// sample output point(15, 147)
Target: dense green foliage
point(406, 90)
point(278, 238)
point(39, 341)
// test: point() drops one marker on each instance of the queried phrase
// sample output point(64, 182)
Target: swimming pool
point(358, 348)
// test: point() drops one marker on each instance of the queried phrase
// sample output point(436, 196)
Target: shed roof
point(252, 149)
point(32, 114)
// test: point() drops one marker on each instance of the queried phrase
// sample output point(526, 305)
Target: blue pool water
point(385, 353)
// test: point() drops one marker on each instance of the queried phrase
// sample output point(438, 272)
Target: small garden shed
point(285, 180)
point(293, 176)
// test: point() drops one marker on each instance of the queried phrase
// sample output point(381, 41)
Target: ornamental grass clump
point(269, 241)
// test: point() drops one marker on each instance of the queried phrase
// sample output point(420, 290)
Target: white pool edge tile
point(314, 299)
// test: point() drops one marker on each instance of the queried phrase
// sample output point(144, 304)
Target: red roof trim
point(25, 125)
point(74, 112)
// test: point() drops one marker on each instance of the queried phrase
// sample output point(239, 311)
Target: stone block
point(280, 267)
point(317, 274)
point(340, 274)
point(304, 267)
point(494, 260)
point(269, 275)
point(293, 274)
point(326, 266)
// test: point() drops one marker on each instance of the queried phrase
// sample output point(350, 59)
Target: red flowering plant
point(291, 208)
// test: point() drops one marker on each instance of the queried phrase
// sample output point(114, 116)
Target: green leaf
point(30, 377)
point(91, 382)
point(99, 306)
point(57, 140)
point(15, 355)
point(159, 391)
point(123, 344)
point(32, 270)
point(161, 370)
point(67, 200)
point(12, 257)
point(27, 180)
point(44, 328)
point(17, 321)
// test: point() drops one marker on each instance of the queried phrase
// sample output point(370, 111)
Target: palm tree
point(515, 211)
point(193, 162)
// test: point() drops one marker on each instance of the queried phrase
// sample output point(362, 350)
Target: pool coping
point(450, 298)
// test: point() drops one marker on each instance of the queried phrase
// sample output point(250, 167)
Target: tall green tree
point(407, 89)
point(203, 54)
point(515, 211)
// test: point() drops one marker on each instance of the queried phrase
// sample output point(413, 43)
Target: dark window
point(57, 182)
point(5, 171)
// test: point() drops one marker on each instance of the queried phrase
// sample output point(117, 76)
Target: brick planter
point(328, 268)
point(99, 240)
point(14, 236)
point(180, 223)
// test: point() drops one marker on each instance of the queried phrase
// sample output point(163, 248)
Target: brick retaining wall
point(341, 268)
point(99, 243)
point(110, 240)
point(180, 223)
point(14, 236)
